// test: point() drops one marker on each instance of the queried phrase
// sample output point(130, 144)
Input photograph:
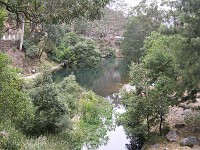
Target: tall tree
point(144, 19)
point(186, 22)
point(51, 11)
point(154, 79)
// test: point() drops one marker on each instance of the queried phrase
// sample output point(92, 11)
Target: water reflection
point(106, 80)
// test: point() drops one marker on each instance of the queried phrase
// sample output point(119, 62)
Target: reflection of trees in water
point(104, 80)
point(136, 143)
point(111, 77)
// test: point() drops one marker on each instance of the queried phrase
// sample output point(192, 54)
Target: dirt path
point(36, 74)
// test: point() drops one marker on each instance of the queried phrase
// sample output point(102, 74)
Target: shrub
point(10, 138)
point(32, 51)
point(51, 115)
point(27, 43)
point(69, 92)
point(14, 103)
point(193, 120)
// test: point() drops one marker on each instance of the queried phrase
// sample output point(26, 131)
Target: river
point(106, 81)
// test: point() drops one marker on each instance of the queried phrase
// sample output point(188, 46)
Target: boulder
point(186, 112)
point(155, 146)
point(172, 136)
point(189, 141)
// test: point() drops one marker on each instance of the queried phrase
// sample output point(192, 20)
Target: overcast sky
point(132, 2)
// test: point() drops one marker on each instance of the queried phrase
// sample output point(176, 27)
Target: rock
point(128, 88)
point(165, 148)
point(179, 125)
point(187, 112)
point(33, 71)
point(189, 141)
point(198, 95)
point(172, 136)
point(155, 146)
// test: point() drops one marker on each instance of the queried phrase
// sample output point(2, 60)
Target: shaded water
point(106, 81)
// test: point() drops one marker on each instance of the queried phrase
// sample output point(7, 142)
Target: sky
point(132, 2)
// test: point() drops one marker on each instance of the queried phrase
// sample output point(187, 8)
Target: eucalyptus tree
point(51, 11)
point(154, 79)
point(186, 23)
point(144, 19)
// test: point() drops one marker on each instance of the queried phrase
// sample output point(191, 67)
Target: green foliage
point(10, 138)
point(69, 92)
point(56, 33)
point(192, 121)
point(71, 39)
point(51, 12)
point(27, 43)
point(14, 103)
point(32, 51)
point(95, 119)
point(2, 18)
point(107, 52)
point(147, 18)
point(186, 24)
point(53, 142)
point(154, 79)
point(51, 115)
point(77, 52)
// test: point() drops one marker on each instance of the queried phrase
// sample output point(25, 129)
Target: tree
point(2, 14)
point(51, 12)
point(190, 55)
point(77, 52)
point(51, 114)
point(14, 103)
point(186, 23)
point(144, 19)
point(95, 119)
point(154, 79)
point(59, 11)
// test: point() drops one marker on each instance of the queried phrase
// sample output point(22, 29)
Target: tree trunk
point(22, 33)
point(43, 48)
point(148, 125)
point(161, 121)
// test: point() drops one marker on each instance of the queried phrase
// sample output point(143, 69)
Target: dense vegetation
point(165, 63)
point(162, 45)
point(63, 112)
point(41, 114)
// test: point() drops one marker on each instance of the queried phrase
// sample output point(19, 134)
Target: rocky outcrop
point(172, 136)
point(189, 141)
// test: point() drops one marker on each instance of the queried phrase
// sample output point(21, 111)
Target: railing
point(12, 37)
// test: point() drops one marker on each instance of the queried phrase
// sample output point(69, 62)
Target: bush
point(32, 51)
point(95, 119)
point(14, 103)
point(10, 138)
point(192, 120)
point(51, 115)
point(69, 92)
point(108, 52)
point(27, 43)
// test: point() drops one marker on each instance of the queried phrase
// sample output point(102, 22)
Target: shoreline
point(34, 75)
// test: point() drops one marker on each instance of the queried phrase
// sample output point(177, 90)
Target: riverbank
point(182, 126)
point(57, 67)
